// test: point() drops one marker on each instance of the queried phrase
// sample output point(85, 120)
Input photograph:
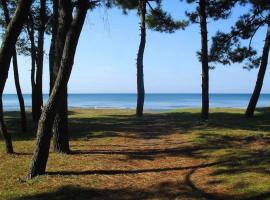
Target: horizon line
point(145, 93)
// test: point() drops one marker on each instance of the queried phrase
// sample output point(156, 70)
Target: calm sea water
point(152, 101)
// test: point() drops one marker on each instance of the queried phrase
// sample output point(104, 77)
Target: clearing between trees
point(164, 155)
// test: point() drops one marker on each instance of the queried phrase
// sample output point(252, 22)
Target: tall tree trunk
point(204, 60)
point(260, 78)
point(60, 127)
point(44, 133)
point(140, 81)
point(40, 56)
point(53, 42)
point(30, 30)
point(19, 93)
point(7, 49)
point(16, 73)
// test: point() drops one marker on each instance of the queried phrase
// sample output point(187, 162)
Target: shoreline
point(28, 109)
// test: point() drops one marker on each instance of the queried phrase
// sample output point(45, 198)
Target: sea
point(152, 101)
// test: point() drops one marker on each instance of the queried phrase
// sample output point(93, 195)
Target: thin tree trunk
point(16, 74)
point(44, 133)
point(60, 127)
point(204, 60)
point(7, 49)
point(6, 135)
point(19, 93)
point(30, 29)
point(53, 42)
point(260, 78)
point(40, 56)
point(140, 81)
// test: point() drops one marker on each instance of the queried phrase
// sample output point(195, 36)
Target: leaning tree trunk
point(259, 83)
point(16, 73)
point(7, 49)
point(204, 60)
point(60, 127)
point(44, 133)
point(40, 56)
point(140, 81)
point(19, 93)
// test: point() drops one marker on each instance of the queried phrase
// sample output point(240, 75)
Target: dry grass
point(161, 156)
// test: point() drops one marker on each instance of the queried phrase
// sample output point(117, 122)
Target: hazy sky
point(106, 58)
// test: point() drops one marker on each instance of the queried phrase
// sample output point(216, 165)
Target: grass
point(172, 155)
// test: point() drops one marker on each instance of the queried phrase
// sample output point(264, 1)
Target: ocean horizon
point(153, 101)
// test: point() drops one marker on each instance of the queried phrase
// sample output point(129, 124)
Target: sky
point(105, 60)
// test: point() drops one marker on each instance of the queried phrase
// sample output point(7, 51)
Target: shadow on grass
point(235, 161)
point(164, 190)
point(136, 171)
point(185, 189)
point(151, 126)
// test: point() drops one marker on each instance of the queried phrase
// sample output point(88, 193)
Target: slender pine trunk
point(140, 76)
point(7, 49)
point(204, 60)
point(60, 127)
point(260, 78)
point(44, 133)
point(30, 30)
point(16, 73)
point(40, 56)
point(19, 93)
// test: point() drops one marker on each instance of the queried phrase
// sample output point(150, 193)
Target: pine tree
point(7, 49)
point(228, 48)
point(156, 19)
point(45, 125)
point(6, 20)
point(215, 10)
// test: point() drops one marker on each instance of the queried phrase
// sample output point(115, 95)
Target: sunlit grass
point(119, 156)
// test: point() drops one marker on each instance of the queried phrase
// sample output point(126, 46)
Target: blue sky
point(106, 58)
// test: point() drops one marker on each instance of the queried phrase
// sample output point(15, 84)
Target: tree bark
point(19, 93)
point(3, 128)
point(204, 60)
point(60, 127)
point(44, 133)
point(40, 56)
point(260, 78)
point(7, 49)
point(30, 30)
point(53, 42)
point(16, 73)
point(140, 78)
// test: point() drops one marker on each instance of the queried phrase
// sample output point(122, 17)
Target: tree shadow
point(155, 125)
point(151, 126)
point(135, 171)
point(186, 189)
point(239, 157)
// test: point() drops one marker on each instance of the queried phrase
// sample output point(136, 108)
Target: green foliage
point(157, 19)
point(125, 5)
point(162, 21)
point(23, 43)
point(236, 46)
point(214, 9)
